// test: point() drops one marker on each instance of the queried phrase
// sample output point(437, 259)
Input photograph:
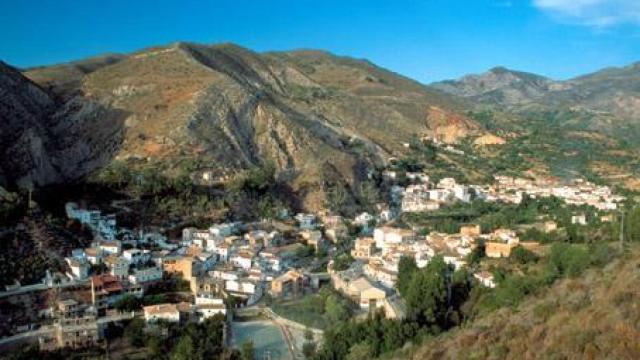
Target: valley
point(150, 200)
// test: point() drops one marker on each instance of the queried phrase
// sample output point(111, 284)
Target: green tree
point(369, 194)
point(426, 295)
point(335, 310)
point(632, 224)
point(568, 260)
point(360, 351)
point(184, 350)
point(134, 332)
point(304, 251)
point(154, 344)
point(309, 349)
point(521, 255)
point(342, 262)
point(128, 303)
point(337, 197)
point(247, 350)
point(406, 269)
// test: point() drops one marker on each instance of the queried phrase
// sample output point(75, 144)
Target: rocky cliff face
point(43, 141)
point(23, 108)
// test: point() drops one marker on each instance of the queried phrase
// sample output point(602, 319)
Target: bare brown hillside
point(314, 114)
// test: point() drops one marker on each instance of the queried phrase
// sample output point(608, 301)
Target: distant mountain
point(611, 91)
point(317, 116)
point(501, 86)
point(606, 101)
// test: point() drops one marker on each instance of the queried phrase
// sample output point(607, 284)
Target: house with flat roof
point(118, 266)
point(363, 248)
point(177, 313)
point(368, 296)
point(289, 284)
point(145, 276)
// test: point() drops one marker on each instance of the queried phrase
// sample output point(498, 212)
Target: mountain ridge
point(233, 108)
point(322, 119)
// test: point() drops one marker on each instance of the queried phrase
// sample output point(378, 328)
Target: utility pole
point(622, 230)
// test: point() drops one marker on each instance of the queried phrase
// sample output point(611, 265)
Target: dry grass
point(593, 317)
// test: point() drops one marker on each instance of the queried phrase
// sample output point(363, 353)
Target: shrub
point(128, 303)
point(522, 256)
point(569, 260)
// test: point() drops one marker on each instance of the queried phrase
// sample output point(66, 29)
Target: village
point(231, 266)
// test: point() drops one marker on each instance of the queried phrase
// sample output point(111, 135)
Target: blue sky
point(427, 40)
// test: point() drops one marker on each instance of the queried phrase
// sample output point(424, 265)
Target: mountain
point(44, 141)
point(315, 115)
point(321, 119)
point(500, 86)
point(588, 125)
point(612, 92)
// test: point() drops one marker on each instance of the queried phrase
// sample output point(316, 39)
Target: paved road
point(40, 287)
point(47, 329)
point(26, 335)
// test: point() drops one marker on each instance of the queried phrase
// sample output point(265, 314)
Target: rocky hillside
point(315, 115)
point(612, 91)
point(595, 316)
point(43, 140)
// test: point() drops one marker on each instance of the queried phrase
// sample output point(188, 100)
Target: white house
point(223, 252)
point(364, 220)
point(271, 261)
point(485, 278)
point(136, 256)
point(461, 192)
point(369, 296)
point(93, 255)
point(386, 235)
point(224, 275)
point(244, 287)
point(242, 260)
point(110, 247)
point(209, 306)
point(206, 298)
point(141, 276)
point(579, 219)
point(79, 267)
point(166, 312)
point(446, 183)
